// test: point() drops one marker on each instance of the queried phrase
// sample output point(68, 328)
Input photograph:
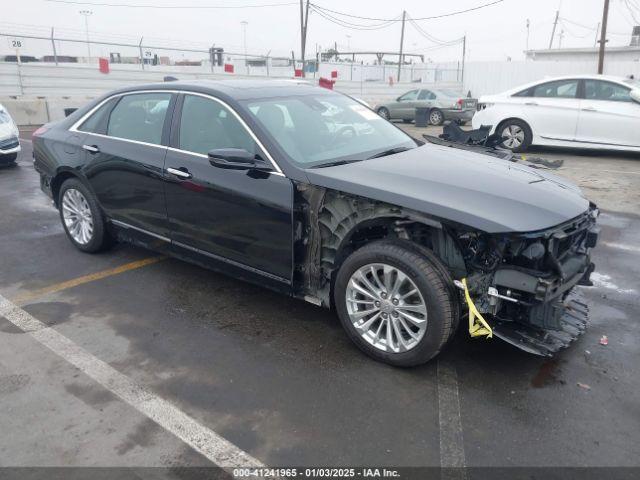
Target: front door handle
point(533, 104)
point(179, 172)
point(91, 148)
point(589, 109)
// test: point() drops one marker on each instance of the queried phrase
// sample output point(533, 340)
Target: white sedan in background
point(585, 111)
point(9, 142)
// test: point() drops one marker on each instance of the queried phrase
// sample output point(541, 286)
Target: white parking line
point(622, 246)
point(451, 438)
point(205, 441)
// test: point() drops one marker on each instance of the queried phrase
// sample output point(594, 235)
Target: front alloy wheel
point(395, 302)
point(386, 308)
point(513, 137)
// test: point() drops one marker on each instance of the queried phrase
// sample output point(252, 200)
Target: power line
point(200, 7)
point(351, 25)
point(450, 14)
point(430, 37)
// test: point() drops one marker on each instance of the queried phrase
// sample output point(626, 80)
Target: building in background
point(627, 53)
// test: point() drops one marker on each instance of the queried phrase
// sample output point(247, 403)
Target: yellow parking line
point(57, 287)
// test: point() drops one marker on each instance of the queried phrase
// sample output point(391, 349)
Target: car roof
point(583, 76)
point(238, 89)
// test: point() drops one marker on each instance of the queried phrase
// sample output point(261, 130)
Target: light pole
point(244, 24)
point(86, 14)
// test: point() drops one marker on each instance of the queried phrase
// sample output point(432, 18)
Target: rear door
point(552, 109)
point(124, 162)
point(240, 217)
point(608, 115)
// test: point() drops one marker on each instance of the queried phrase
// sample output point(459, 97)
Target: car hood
point(480, 191)
point(7, 130)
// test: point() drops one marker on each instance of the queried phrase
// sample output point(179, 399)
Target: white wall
point(484, 78)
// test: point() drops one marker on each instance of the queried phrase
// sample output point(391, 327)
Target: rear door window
point(426, 95)
point(139, 117)
point(97, 122)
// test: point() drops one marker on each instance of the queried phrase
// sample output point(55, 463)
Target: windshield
point(317, 129)
point(633, 82)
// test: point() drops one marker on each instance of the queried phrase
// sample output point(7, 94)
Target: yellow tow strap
point(478, 326)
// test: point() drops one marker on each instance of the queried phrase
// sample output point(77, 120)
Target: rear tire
point(82, 219)
point(436, 117)
point(403, 348)
point(518, 133)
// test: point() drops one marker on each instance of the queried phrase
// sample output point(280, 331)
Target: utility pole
point(244, 24)
point(404, 17)
point(304, 20)
point(553, 32)
point(528, 29)
point(603, 36)
point(85, 14)
point(464, 54)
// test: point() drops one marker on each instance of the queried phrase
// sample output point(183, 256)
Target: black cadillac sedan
point(309, 192)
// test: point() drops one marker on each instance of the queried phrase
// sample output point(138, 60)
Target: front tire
point(517, 135)
point(82, 218)
point(394, 303)
point(384, 113)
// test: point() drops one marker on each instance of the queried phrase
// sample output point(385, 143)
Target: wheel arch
point(339, 224)
point(501, 123)
point(60, 177)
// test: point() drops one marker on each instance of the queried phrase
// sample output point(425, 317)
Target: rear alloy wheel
point(384, 113)
point(516, 134)
point(394, 303)
point(436, 117)
point(82, 218)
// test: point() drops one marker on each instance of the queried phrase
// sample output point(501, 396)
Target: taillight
point(459, 103)
point(39, 131)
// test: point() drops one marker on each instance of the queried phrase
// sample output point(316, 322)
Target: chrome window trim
point(74, 127)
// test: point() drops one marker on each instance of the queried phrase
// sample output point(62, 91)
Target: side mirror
point(399, 99)
point(635, 95)
point(236, 159)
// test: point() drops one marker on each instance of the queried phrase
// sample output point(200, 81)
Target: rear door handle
point(182, 173)
point(91, 148)
point(534, 104)
point(589, 109)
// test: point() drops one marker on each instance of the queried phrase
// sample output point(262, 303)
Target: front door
point(241, 217)
point(553, 108)
point(608, 115)
point(405, 107)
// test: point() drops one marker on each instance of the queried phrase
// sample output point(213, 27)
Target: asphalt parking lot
point(277, 377)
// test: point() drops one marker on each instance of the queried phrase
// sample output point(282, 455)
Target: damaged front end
point(519, 286)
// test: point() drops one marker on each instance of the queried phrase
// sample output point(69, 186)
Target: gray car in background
point(445, 105)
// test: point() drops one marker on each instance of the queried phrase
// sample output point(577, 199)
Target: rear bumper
point(464, 115)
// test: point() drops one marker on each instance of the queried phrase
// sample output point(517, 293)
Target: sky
point(497, 32)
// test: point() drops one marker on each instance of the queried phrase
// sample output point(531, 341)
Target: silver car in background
point(445, 104)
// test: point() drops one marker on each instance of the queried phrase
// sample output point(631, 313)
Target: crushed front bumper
point(533, 305)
